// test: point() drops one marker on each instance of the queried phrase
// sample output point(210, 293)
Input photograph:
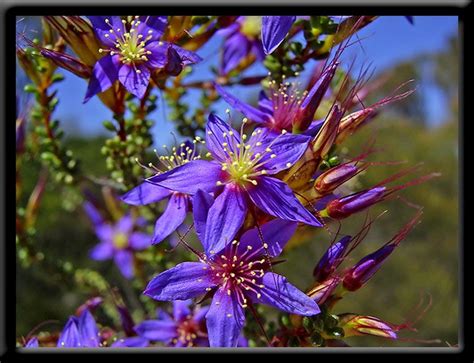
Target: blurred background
point(423, 128)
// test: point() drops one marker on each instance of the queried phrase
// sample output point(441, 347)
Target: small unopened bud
point(327, 134)
point(357, 325)
point(331, 259)
point(361, 272)
point(67, 62)
point(346, 206)
point(334, 177)
point(90, 305)
point(350, 123)
point(323, 290)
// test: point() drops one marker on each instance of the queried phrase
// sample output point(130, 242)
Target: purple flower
point(236, 276)
point(240, 40)
point(117, 241)
point(133, 51)
point(178, 203)
point(186, 328)
point(286, 107)
point(239, 175)
point(80, 331)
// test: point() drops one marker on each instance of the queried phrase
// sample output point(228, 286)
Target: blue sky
point(387, 41)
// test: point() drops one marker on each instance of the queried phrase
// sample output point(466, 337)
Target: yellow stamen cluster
point(130, 44)
point(287, 99)
point(120, 241)
point(244, 163)
point(187, 331)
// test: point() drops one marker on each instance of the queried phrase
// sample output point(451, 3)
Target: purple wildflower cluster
point(239, 190)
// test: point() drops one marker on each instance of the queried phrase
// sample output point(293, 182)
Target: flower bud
point(79, 35)
point(346, 206)
point(67, 62)
point(321, 292)
point(327, 134)
point(356, 325)
point(361, 272)
point(91, 304)
point(331, 259)
point(350, 123)
point(334, 177)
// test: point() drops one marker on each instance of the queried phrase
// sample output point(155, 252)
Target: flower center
point(251, 26)
point(187, 332)
point(286, 99)
point(120, 240)
point(240, 272)
point(130, 43)
point(245, 160)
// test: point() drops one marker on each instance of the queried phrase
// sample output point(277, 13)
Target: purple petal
point(88, 330)
point(145, 193)
point(314, 128)
point(93, 213)
point(257, 49)
point(105, 232)
point(236, 47)
point(181, 309)
point(274, 30)
point(249, 111)
point(135, 79)
point(187, 56)
point(276, 234)
point(315, 95)
point(216, 128)
point(277, 199)
point(139, 240)
point(124, 261)
point(70, 337)
point(158, 57)
point(103, 251)
point(288, 149)
point(225, 218)
point(125, 224)
point(225, 320)
point(182, 282)
point(132, 342)
point(265, 104)
point(200, 313)
point(101, 28)
point(104, 74)
point(157, 23)
point(173, 216)
point(202, 202)
point(32, 343)
point(190, 177)
point(278, 292)
point(242, 342)
point(157, 330)
point(163, 315)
